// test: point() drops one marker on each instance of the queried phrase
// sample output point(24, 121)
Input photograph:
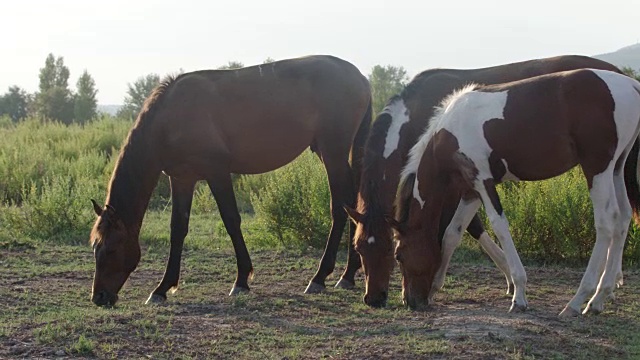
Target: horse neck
point(435, 192)
point(133, 180)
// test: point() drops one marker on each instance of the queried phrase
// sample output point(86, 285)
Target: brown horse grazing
point(395, 130)
point(205, 125)
point(528, 130)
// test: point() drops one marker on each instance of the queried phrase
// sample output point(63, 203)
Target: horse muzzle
point(104, 298)
point(414, 304)
point(377, 301)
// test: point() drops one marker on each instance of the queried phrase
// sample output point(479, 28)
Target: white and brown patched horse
point(394, 132)
point(528, 130)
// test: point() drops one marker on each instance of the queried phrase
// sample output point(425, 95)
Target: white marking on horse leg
point(399, 116)
point(452, 237)
point(416, 194)
point(614, 258)
point(500, 226)
point(371, 240)
point(496, 254)
point(602, 194)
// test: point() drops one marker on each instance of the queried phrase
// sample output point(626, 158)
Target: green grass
point(48, 173)
point(46, 308)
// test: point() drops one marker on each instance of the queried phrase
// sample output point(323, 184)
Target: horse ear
point(395, 224)
point(97, 208)
point(110, 210)
point(354, 214)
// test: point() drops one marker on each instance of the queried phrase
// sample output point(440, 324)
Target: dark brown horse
point(528, 130)
point(208, 124)
point(394, 132)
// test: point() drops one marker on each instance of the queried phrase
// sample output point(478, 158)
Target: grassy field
point(46, 312)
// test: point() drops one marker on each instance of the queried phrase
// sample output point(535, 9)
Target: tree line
point(55, 101)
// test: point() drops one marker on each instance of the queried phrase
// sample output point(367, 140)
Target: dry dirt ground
point(46, 313)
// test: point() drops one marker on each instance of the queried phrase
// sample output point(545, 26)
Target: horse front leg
point(452, 236)
point(222, 189)
point(492, 249)
point(500, 224)
point(181, 198)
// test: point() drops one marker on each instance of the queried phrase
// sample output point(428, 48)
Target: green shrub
point(58, 211)
point(552, 220)
point(293, 205)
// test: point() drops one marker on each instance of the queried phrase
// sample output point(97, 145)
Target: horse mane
point(130, 154)
point(155, 98)
point(374, 148)
point(435, 123)
point(401, 204)
point(149, 108)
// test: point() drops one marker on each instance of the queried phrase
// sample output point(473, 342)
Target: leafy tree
point(54, 101)
point(631, 73)
point(231, 65)
point(386, 81)
point(137, 93)
point(269, 60)
point(14, 103)
point(85, 104)
point(54, 73)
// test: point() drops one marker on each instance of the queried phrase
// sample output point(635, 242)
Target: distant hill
point(627, 56)
point(109, 109)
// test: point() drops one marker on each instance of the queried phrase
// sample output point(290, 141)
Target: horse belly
point(268, 151)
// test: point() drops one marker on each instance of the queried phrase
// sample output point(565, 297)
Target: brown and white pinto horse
point(527, 130)
point(395, 130)
point(205, 125)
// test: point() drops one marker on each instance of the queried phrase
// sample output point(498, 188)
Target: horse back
point(270, 112)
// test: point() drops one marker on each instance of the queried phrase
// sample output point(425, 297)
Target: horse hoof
point(238, 290)
point(517, 308)
point(155, 299)
point(344, 284)
point(593, 309)
point(569, 313)
point(314, 288)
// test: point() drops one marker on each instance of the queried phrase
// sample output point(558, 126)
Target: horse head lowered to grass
point(205, 125)
point(527, 130)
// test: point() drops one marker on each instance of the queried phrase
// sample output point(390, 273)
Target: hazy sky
point(118, 41)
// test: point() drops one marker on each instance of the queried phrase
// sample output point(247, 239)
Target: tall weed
point(293, 205)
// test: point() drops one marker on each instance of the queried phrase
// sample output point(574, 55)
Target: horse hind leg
point(612, 276)
point(342, 193)
point(605, 209)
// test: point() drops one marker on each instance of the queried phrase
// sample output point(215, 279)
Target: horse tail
point(357, 148)
point(632, 172)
